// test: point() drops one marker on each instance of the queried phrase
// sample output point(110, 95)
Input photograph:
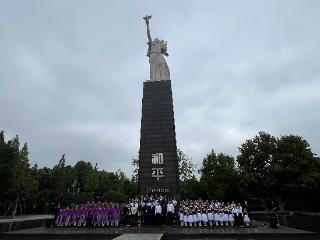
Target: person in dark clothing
point(145, 214)
point(125, 213)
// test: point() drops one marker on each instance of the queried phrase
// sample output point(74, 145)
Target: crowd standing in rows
point(89, 214)
point(155, 210)
point(150, 210)
point(212, 213)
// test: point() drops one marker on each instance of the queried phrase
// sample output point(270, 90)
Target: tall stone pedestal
point(158, 164)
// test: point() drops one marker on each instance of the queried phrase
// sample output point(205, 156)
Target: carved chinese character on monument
point(158, 164)
point(157, 158)
point(157, 173)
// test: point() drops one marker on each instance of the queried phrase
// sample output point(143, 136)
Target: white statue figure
point(159, 69)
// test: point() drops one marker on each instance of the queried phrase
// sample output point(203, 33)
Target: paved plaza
point(256, 231)
point(25, 218)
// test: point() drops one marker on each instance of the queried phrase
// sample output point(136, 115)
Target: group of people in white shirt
point(150, 210)
point(212, 213)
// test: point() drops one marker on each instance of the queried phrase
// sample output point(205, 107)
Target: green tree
point(220, 178)
point(8, 164)
point(293, 171)
point(2, 137)
point(46, 189)
point(135, 164)
point(254, 159)
point(62, 180)
point(191, 189)
point(279, 168)
point(26, 183)
point(22, 184)
point(186, 167)
point(81, 171)
point(110, 186)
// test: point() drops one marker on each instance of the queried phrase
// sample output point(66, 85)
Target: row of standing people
point(89, 214)
point(154, 210)
point(150, 210)
point(212, 213)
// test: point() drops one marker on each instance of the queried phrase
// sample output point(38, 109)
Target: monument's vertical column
point(158, 166)
point(158, 163)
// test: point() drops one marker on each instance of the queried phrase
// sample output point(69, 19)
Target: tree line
point(29, 189)
point(282, 171)
point(268, 169)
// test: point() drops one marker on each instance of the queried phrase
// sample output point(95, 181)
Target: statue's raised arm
point(147, 18)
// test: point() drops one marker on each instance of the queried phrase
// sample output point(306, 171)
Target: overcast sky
point(72, 72)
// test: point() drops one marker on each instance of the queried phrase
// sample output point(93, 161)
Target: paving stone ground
point(256, 231)
point(25, 218)
point(255, 228)
point(143, 236)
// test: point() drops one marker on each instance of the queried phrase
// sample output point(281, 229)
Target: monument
point(158, 163)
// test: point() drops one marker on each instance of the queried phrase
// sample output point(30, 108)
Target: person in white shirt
point(238, 215)
point(190, 219)
point(225, 217)
point(199, 216)
point(205, 217)
point(170, 212)
point(210, 217)
point(181, 217)
point(216, 217)
point(246, 218)
point(134, 212)
point(231, 218)
point(221, 217)
point(194, 218)
point(174, 201)
point(185, 218)
point(158, 213)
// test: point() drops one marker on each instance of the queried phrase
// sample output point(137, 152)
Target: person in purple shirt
point(102, 215)
point(106, 214)
point(96, 216)
point(74, 216)
point(82, 217)
point(112, 214)
point(66, 217)
point(107, 210)
point(59, 219)
point(90, 214)
point(117, 215)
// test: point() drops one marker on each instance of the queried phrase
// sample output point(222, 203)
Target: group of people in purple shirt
point(89, 214)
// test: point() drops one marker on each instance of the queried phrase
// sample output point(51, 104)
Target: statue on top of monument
point(159, 69)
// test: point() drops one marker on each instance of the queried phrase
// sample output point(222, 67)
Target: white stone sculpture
point(159, 69)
